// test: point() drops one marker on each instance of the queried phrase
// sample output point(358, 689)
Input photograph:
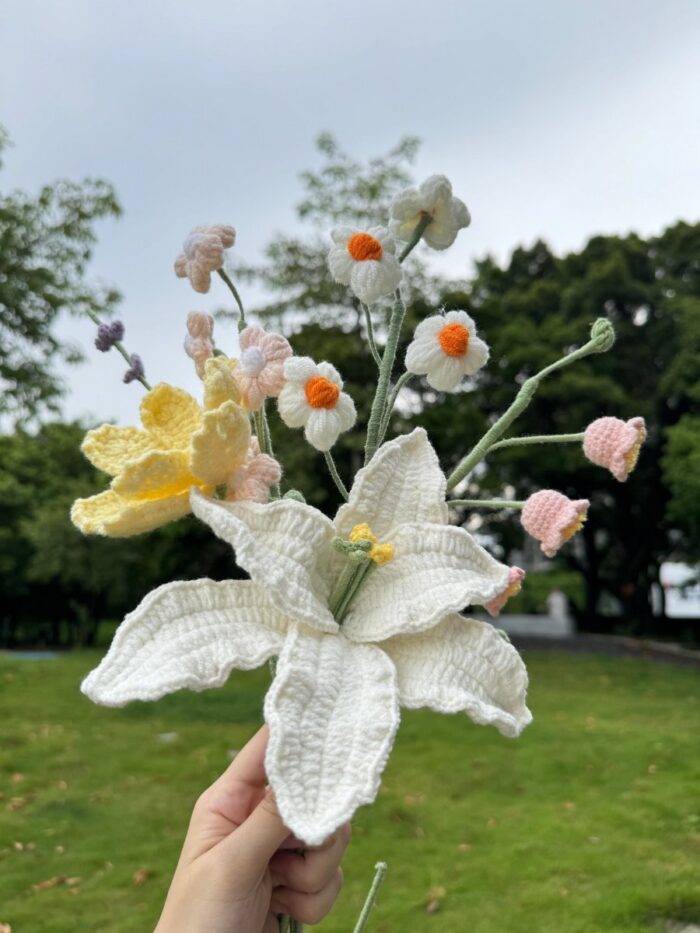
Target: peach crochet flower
point(199, 344)
point(261, 371)
point(615, 444)
point(203, 253)
point(552, 518)
point(516, 575)
point(252, 480)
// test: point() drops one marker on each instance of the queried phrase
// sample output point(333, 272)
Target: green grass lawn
point(589, 822)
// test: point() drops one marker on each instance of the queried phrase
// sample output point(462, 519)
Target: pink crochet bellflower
point(615, 444)
point(199, 343)
point(552, 518)
point(516, 575)
point(260, 374)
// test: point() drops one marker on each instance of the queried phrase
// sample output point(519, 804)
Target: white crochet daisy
point(366, 261)
point(333, 708)
point(312, 399)
point(434, 198)
point(445, 348)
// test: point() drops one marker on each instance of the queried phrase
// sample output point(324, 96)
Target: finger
point(249, 849)
point(310, 872)
point(308, 908)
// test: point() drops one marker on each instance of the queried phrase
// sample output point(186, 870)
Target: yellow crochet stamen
point(380, 553)
point(575, 526)
point(632, 454)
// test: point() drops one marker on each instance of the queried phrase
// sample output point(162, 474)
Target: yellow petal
point(110, 447)
point(219, 382)
point(221, 444)
point(155, 476)
point(171, 415)
point(111, 515)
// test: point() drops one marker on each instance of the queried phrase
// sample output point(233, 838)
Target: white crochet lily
point(333, 708)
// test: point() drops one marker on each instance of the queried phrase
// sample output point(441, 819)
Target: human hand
point(240, 868)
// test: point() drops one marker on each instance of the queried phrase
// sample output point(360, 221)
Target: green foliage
point(55, 583)
point(588, 822)
point(46, 243)
point(682, 472)
point(537, 587)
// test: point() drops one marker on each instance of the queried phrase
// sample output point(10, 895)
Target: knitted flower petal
point(436, 570)
point(221, 444)
point(333, 714)
point(219, 382)
point(186, 634)
point(171, 415)
point(463, 666)
point(156, 475)
point(110, 447)
point(285, 546)
point(403, 481)
point(111, 515)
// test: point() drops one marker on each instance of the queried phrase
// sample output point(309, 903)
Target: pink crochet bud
point(552, 518)
point(199, 345)
point(253, 480)
point(516, 575)
point(260, 373)
point(203, 253)
point(615, 444)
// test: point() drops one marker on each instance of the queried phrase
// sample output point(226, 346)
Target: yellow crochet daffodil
point(180, 446)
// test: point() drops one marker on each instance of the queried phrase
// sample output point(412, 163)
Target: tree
point(46, 243)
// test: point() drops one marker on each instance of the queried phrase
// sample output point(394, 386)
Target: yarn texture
point(333, 707)
point(366, 261)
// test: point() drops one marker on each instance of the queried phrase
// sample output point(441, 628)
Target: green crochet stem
point(370, 337)
point(487, 503)
point(380, 398)
point(602, 339)
point(119, 346)
point(537, 439)
point(353, 573)
point(425, 220)
point(380, 872)
point(333, 470)
point(384, 427)
point(236, 297)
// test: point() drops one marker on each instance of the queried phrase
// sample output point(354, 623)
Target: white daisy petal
point(423, 355)
point(371, 280)
point(300, 369)
point(322, 428)
point(333, 713)
point(341, 264)
point(342, 234)
point(463, 666)
point(330, 372)
point(187, 634)
point(345, 409)
point(403, 480)
point(436, 570)
point(285, 546)
point(447, 373)
point(293, 406)
point(477, 355)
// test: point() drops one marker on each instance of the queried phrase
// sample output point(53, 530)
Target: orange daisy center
point(321, 392)
point(454, 339)
point(363, 246)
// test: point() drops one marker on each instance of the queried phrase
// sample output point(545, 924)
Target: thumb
point(251, 846)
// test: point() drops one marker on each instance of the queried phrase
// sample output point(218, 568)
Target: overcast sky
point(553, 119)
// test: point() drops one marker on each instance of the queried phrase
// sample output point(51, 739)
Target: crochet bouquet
point(361, 613)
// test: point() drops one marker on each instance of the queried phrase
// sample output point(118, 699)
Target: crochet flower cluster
point(363, 613)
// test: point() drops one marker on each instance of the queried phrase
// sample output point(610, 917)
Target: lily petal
point(112, 515)
point(333, 713)
point(187, 634)
point(436, 569)
point(110, 447)
point(155, 475)
point(220, 446)
point(171, 415)
point(402, 481)
point(463, 666)
point(285, 546)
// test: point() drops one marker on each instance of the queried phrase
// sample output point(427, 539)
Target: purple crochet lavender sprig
point(135, 370)
point(108, 335)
